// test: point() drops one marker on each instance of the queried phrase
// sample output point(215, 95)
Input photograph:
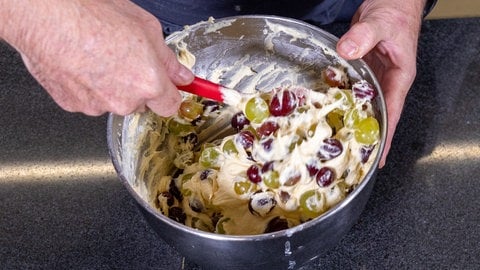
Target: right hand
point(101, 56)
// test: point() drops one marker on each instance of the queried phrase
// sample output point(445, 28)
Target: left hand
point(385, 33)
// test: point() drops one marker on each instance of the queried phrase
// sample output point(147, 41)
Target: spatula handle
point(204, 88)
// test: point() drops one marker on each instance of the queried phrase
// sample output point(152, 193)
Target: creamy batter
point(267, 162)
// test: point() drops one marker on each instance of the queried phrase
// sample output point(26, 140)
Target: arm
point(95, 56)
point(385, 33)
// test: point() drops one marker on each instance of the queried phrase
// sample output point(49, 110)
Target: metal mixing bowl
point(301, 50)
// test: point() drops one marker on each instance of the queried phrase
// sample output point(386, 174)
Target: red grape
point(325, 177)
point(245, 138)
point(283, 103)
point(330, 148)
point(239, 121)
point(364, 90)
point(253, 173)
point(267, 128)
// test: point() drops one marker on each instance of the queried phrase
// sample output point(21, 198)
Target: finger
point(167, 104)
point(359, 40)
point(178, 73)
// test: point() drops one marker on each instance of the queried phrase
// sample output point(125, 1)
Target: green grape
point(184, 179)
point(242, 187)
point(311, 203)
point(347, 97)
point(219, 227)
point(335, 120)
point(256, 110)
point(351, 118)
point(271, 179)
point(190, 109)
point(297, 140)
point(229, 147)
point(367, 131)
point(209, 157)
point(179, 129)
point(311, 130)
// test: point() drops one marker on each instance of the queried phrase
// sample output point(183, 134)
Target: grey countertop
point(62, 206)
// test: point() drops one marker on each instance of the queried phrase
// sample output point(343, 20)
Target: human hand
point(100, 56)
point(385, 33)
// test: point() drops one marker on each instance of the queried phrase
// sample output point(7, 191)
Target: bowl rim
point(369, 176)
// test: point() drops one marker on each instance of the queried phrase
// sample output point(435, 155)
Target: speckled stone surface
point(62, 207)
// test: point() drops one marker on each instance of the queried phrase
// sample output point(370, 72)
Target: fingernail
point(348, 47)
point(185, 74)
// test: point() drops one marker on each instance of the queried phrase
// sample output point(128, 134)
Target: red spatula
point(207, 89)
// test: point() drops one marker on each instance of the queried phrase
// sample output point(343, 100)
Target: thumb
point(178, 73)
point(358, 41)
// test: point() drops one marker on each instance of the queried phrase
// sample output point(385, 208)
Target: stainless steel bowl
point(302, 50)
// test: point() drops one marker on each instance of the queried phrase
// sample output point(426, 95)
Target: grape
point(346, 95)
point(267, 144)
point(284, 196)
point(293, 179)
point(334, 77)
point(267, 128)
point(256, 110)
point(176, 213)
point(239, 121)
point(196, 205)
point(335, 121)
point(219, 226)
point(268, 166)
point(325, 177)
point(365, 153)
point(229, 147)
point(204, 174)
point(312, 169)
point(209, 157)
point(245, 138)
point(168, 197)
point(351, 118)
point(311, 203)
point(283, 103)
point(364, 90)
point(253, 173)
point(179, 129)
point(276, 224)
point(210, 106)
point(242, 187)
point(190, 109)
point(271, 179)
point(367, 131)
point(261, 203)
point(191, 138)
point(330, 148)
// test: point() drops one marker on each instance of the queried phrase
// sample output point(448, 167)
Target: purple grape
point(330, 148)
point(267, 144)
point(261, 203)
point(283, 103)
point(253, 173)
point(325, 177)
point(365, 153)
point(364, 90)
point(210, 106)
point(239, 121)
point(312, 169)
point(293, 179)
point(267, 128)
point(268, 166)
point(276, 224)
point(204, 174)
point(245, 138)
